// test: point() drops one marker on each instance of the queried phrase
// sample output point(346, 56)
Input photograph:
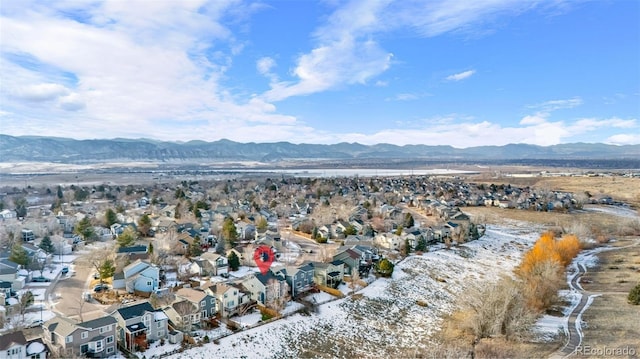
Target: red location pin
point(263, 256)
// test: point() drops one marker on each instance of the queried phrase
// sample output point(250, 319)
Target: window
point(203, 303)
point(69, 339)
point(110, 350)
point(213, 311)
point(105, 329)
point(161, 333)
point(84, 335)
point(204, 313)
point(230, 304)
point(159, 324)
point(213, 301)
point(149, 283)
point(110, 339)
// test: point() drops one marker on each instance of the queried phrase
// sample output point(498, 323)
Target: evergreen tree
point(350, 230)
point(150, 248)
point(21, 207)
point(408, 220)
point(407, 247)
point(195, 249)
point(262, 224)
point(127, 238)
point(421, 246)
point(111, 217)
point(385, 268)
point(314, 233)
point(106, 269)
point(19, 255)
point(60, 193)
point(46, 245)
point(84, 229)
point(234, 261)
point(144, 225)
point(634, 295)
point(229, 231)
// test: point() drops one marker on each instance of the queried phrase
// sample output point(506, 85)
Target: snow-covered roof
point(35, 348)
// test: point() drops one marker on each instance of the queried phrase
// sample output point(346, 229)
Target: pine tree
point(127, 238)
point(421, 246)
point(106, 269)
point(195, 249)
point(234, 261)
point(634, 295)
point(46, 245)
point(229, 232)
point(144, 225)
point(111, 217)
point(385, 267)
point(407, 247)
point(84, 229)
point(150, 248)
point(408, 220)
point(19, 255)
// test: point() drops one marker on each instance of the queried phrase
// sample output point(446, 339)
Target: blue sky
point(462, 73)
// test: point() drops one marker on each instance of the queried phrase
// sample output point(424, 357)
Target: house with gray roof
point(138, 324)
point(16, 346)
point(94, 338)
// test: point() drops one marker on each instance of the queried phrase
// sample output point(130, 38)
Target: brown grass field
point(625, 189)
point(611, 322)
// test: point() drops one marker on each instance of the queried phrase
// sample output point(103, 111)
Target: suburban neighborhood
point(166, 267)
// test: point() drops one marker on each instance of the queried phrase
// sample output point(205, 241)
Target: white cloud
point(624, 139)
point(554, 105)
point(403, 97)
point(265, 64)
point(41, 92)
point(461, 76)
point(538, 118)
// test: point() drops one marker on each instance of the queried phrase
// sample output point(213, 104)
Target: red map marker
point(263, 256)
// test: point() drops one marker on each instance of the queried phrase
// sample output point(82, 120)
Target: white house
point(140, 276)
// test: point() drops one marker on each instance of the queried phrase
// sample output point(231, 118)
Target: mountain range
point(66, 150)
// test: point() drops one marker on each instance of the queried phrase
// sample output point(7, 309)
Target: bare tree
point(185, 309)
point(79, 308)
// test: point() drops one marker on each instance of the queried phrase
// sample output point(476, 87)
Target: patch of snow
point(619, 211)
point(35, 348)
point(320, 298)
point(248, 320)
point(291, 308)
point(243, 271)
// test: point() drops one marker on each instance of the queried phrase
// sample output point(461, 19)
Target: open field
point(625, 189)
point(610, 321)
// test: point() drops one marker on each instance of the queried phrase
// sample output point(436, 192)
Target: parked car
point(100, 288)
point(36, 323)
point(65, 270)
point(40, 279)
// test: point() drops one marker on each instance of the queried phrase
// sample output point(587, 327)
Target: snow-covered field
point(386, 320)
point(620, 211)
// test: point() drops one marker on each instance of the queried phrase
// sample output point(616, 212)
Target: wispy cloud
point(461, 75)
point(554, 105)
point(347, 52)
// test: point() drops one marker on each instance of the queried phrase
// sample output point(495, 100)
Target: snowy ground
point(386, 320)
point(620, 211)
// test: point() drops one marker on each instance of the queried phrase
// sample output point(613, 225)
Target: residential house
point(8, 214)
point(182, 314)
point(328, 274)
point(299, 278)
point(356, 257)
point(139, 277)
point(9, 273)
point(94, 338)
point(276, 287)
point(205, 304)
point(15, 346)
point(228, 298)
point(214, 264)
point(254, 287)
point(27, 235)
point(139, 324)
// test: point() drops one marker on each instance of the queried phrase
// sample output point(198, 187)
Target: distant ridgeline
point(50, 149)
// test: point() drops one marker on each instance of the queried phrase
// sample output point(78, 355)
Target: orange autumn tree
point(543, 266)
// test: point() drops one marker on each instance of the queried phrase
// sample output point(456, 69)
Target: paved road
point(67, 293)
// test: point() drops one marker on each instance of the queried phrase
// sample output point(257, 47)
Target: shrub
point(634, 295)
